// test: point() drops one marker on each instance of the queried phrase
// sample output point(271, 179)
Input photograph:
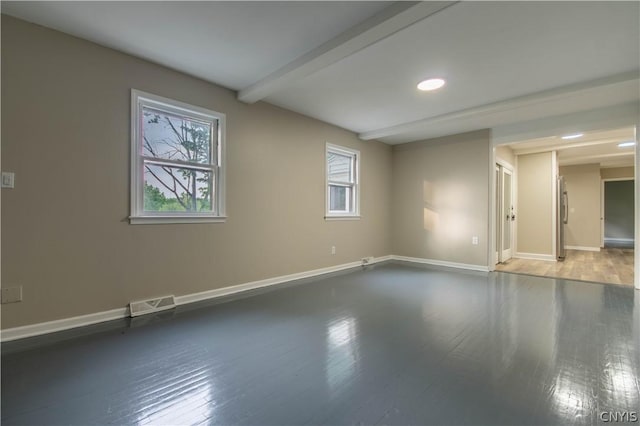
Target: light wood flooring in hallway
point(610, 266)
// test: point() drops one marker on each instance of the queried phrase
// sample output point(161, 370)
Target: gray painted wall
point(441, 198)
point(65, 234)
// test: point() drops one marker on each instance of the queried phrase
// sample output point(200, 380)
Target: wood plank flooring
point(609, 266)
point(392, 344)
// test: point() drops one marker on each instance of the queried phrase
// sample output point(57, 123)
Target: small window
point(177, 167)
point(342, 182)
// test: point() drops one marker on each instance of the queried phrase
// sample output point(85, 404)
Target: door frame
point(496, 235)
point(602, 181)
point(506, 210)
point(497, 212)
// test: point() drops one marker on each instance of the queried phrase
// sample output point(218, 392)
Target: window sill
point(343, 217)
point(160, 220)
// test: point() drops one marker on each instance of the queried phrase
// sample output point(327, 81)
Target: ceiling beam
point(596, 158)
point(595, 120)
point(557, 145)
point(383, 24)
point(627, 82)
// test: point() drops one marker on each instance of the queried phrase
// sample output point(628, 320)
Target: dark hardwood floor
point(391, 344)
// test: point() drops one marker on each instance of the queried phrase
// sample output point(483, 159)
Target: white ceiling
point(356, 64)
point(232, 44)
point(595, 147)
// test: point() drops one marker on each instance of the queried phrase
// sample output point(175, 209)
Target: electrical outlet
point(367, 260)
point(474, 240)
point(333, 249)
point(8, 179)
point(12, 294)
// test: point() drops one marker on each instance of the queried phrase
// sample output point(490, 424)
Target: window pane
point(173, 137)
point(174, 189)
point(339, 198)
point(339, 167)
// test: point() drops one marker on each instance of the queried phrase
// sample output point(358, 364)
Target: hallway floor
point(391, 344)
point(610, 266)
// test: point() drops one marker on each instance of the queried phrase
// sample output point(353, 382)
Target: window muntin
point(177, 137)
point(177, 169)
point(342, 182)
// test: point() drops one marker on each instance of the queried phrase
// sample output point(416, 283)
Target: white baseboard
point(61, 324)
point(481, 268)
point(113, 314)
point(535, 256)
point(619, 240)
point(225, 291)
point(22, 332)
point(583, 248)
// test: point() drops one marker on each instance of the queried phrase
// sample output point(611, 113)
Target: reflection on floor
point(391, 344)
point(610, 266)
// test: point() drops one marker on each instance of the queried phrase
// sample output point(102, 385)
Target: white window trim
point(138, 215)
point(355, 215)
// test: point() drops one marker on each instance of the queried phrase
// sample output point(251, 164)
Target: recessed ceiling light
point(574, 136)
point(431, 84)
point(626, 144)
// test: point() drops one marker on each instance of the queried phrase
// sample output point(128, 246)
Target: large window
point(342, 182)
point(177, 161)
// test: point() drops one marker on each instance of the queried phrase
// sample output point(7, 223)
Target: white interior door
point(508, 213)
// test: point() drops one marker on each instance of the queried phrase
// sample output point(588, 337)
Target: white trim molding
point(31, 330)
point(535, 256)
point(225, 291)
point(158, 220)
point(434, 262)
point(61, 324)
point(583, 248)
point(505, 164)
point(352, 202)
point(114, 314)
point(342, 217)
point(555, 172)
point(215, 164)
point(619, 240)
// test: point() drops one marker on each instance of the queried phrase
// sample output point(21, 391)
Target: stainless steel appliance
point(562, 217)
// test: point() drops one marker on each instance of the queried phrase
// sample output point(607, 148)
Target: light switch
point(8, 179)
point(11, 294)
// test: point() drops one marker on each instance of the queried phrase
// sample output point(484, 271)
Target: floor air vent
point(152, 305)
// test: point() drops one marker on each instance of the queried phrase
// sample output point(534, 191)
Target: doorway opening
point(573, 200)
point(618, 201)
